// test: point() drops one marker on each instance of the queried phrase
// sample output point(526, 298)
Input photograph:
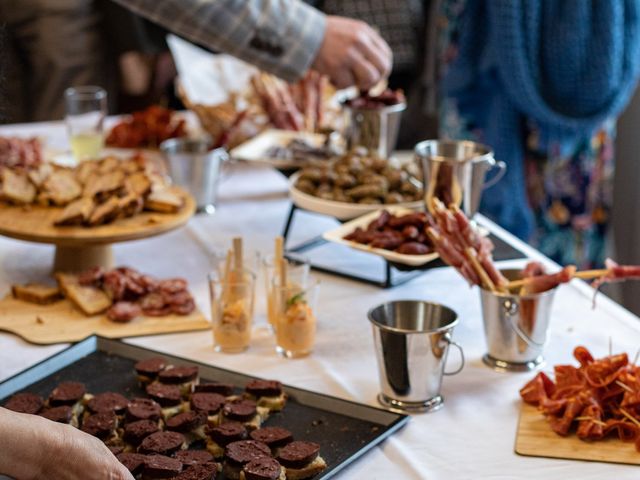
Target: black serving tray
point(345, 430)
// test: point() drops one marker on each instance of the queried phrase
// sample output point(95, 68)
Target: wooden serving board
point(536, 439)
point(61, 322)
point(34, 223)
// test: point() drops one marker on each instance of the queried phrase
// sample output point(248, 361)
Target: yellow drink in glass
point(87, 146)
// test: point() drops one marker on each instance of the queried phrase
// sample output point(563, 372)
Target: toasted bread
point(105, 212)
point(17, 188)
point(91, 300)
point(36, 293)
point(101, 186)
point(76, 213)
point(109, 164)
point(138, 184)
point(85, 169)
point(164, 201)
point(39, 175)
point(62, 187)
point(130, 205)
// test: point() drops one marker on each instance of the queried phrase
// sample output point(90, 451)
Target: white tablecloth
point(471, 437)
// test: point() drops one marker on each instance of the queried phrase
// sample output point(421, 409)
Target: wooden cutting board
point(536, 439)
point(61, 322)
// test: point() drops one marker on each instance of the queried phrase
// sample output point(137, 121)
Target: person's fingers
point(375, 50)
point(366, 75)
point(342, 77)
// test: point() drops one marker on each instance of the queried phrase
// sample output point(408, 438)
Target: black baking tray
point(345, 430)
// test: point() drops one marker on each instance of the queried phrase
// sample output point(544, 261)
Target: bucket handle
point(511, 309)
point(502, 169)
point(457, 345)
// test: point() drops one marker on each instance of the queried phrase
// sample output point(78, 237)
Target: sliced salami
point(124, 312)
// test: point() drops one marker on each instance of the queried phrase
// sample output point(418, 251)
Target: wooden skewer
point(630, 417)
point(282, 266)
point(594, 420)
point(227, 265)
point(626, 387)
point(583, 275)
point(484, 276)
point(237, 253)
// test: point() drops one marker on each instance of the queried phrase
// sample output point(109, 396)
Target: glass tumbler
point(297, 272)
point(86, 110)
point(232, 305)
point(295, 317)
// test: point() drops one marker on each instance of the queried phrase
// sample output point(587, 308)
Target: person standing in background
point(542, 82)
point(47, 47)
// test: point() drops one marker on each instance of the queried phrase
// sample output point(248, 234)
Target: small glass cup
point(232, 305)
point(297, 273)
point(295, 319)
point(86, 111)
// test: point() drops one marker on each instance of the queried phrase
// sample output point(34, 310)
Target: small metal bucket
point(196, 168)
point(454, 171)
point(412, 340)
point(515, 327)
point(375, 129)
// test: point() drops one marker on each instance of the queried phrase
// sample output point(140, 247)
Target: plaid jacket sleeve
point(279, 36)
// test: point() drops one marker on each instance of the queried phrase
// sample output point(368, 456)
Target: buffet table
point(471, 437)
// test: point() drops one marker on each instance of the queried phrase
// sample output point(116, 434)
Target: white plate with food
point(338, 235)
point(285, 149)
point(354, 184)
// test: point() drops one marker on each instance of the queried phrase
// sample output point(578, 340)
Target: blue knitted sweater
point(565, 65)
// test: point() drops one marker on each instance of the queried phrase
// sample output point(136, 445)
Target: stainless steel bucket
point(515, 327)
point(196, 168)
point(375, 129)
point(454, 171)
point(412, 340)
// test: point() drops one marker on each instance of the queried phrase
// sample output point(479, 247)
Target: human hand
point(352, 53)
point(35, 448)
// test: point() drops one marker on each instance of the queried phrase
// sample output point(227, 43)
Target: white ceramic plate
point(339, 210)
point(255, 150)
point(337, 236)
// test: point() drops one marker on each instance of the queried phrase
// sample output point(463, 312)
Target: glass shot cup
point(297, 272)
point(295, 317)
point(86, 109)
point(232, 306)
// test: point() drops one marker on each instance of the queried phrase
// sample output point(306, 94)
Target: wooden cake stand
point(79, 248)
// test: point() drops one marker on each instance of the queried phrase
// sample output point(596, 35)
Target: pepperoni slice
point(184, 308)
point(172, 285)
point(123, 312)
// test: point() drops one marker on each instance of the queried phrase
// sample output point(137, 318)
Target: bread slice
point(62, 187)
point(164, 201)
point(130, 205)
point(40, 174)
point(85, 170)
point(36, 293)
point(313, 468)
point(108, 164)
point(90, 300)
point(105, 212)
point(138, 184)
point(17, 188)
point(76, 213)
point(101, 186)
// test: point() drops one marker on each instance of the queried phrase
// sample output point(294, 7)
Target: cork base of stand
point(76, 259)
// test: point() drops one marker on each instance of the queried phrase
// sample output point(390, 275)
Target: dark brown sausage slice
point(225, 389)
point(177, 375)
point(240, 410)
point(163, 443)
point(67, 393)
point(151, 367)
point(186, 422)
point(244, 451)
point(100, 425)
point(136, 432)
point(272, 436)
point(193, 457)
point(108, 402)
point(25, 403)
point(61, 414)
point(134, 462)
point(143, 409)
point(264, 468)
point(264, 388)
point(208, 403)
point(298, 454)
point(205, 471)
point(165, 395)
point(159, 466)
point(228, 432)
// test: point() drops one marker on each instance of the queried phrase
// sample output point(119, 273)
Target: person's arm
point(283, 37)
point(33, 447)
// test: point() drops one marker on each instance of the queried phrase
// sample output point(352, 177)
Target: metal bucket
point(454, 171)
point(412, 340)
point(375, 129)
point(515, 327)
point(196, 168)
